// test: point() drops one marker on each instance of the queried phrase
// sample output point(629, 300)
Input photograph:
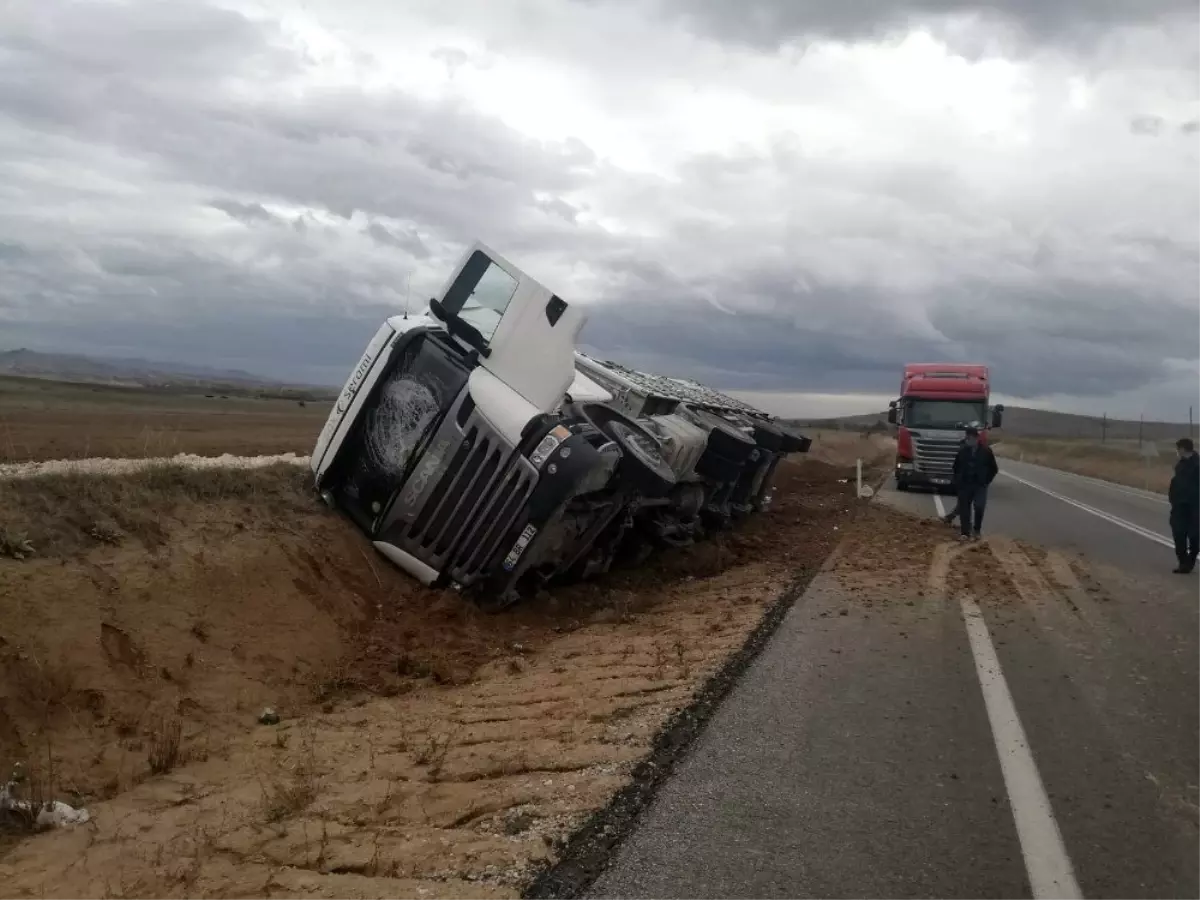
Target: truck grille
point(934, 456)
point(471, 501)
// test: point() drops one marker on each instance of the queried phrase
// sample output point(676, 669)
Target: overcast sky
point(780, 196)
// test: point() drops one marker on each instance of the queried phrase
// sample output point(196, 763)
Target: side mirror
point(997, 416)
point(892, 413)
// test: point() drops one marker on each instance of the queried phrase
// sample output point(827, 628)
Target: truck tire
point(778, 439)
point(795, 443)
point(641, 461)
point(723, 437)
point(769, 437)
point(718, 468)
point(901, 484)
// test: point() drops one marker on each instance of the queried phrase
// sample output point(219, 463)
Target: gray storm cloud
point(769, 23)
point(161, 188)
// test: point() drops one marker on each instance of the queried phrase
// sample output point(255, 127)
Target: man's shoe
point(1182, 570)
point(975, 536)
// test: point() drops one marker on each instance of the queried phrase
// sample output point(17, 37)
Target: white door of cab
point(529, 332)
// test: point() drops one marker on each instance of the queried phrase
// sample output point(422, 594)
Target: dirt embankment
point(423, 747)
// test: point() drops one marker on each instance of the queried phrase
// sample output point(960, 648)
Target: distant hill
point(1032, 423)
point(132, 372)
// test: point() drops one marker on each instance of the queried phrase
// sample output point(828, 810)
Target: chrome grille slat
point(476, 494)
point(474, 499)
point(494, 520)
point(934, 456)
point(439, 515)
point(482, 473)
point(509, 499)
point(461, 490)
point(428, 532)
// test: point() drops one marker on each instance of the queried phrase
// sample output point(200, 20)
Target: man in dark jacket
point(1184, 495)
point(974, 470)
point(948, 518)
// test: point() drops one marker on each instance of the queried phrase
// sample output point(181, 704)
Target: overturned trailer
point(475, 446)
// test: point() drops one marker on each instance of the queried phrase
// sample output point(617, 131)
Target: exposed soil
point(424, 748)
point(977, 572)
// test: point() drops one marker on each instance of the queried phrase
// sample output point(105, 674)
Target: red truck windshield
point(947, 414)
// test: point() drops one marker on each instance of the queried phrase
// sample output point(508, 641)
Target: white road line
point(1046, 861)
point(1100, 482)
point(1108, 517)
point(937, 501)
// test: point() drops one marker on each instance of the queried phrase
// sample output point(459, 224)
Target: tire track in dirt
point(412, 791)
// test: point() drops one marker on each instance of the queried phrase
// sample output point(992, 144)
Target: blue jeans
point(972, 498)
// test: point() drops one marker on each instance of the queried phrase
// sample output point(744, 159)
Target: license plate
point(519, 547)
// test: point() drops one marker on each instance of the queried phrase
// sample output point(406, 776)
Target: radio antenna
point(407, 293)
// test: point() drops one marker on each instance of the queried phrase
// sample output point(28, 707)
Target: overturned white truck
point(475, 446)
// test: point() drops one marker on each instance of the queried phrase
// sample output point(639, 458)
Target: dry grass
point(1120, 462)
point(165, 742)
point(292, 791)
point(62, 515)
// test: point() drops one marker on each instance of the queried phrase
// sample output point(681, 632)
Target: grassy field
point(41, 419)
point(1121, 462)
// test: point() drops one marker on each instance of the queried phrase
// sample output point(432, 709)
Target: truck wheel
point(901, 485)
point(723, 437)
point(778, 439)
point(641, 460)
point(795, 443)
point(718, 468)
point(769, 437)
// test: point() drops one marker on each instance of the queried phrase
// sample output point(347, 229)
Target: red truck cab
point(937, 403)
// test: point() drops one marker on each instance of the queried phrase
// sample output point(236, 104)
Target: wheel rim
point(644, 449)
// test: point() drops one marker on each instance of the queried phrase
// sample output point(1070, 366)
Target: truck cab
point(937, 403)
point(423, 447)
point(473, 449)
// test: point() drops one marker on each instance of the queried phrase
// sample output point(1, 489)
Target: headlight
point(549, 444)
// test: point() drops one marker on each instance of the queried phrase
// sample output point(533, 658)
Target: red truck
point(937, 402)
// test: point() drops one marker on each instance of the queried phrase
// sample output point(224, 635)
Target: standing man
point(948, 518)
point(1184, 495)
point(974, 470)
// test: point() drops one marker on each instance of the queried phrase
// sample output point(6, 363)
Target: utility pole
point(1141, 423)
point(1104, 428)
point(1189, 421)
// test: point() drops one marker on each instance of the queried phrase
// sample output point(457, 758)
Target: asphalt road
point(1028, 502)
point(1048, 746)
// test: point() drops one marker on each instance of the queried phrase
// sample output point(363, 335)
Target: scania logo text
point(360, 372)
